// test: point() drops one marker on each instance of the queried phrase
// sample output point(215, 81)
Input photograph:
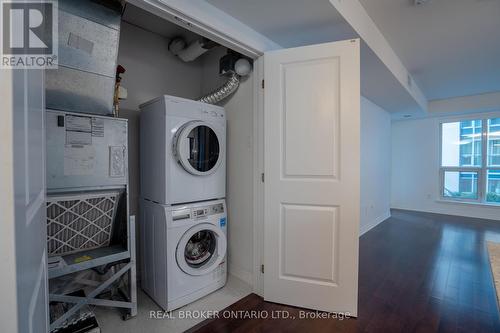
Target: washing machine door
point(201, 249)
point(198, 148)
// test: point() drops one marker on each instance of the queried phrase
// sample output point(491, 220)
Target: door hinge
point(262, 268)
point(262, 177)
point(262, 84)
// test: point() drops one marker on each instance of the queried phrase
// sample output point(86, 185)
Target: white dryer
point(183, 251)
point(183, 151)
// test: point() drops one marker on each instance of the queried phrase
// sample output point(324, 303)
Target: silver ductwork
point(223, 91)
point(232, 65)
point(240, 68)
point(88, 49)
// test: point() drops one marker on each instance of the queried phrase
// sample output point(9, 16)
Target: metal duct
point(223, 91)
point(88, 49)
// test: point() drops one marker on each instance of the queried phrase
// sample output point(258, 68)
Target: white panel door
point(312, 168)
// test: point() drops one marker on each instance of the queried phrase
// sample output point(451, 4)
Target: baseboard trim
point(364, 229)
point(241, 274)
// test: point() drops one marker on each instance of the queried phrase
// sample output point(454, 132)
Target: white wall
point(415, 171)
point(239, 188)
point(151, 70)
point(375, 165)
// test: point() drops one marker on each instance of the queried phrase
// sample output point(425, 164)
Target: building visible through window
point(469, 170)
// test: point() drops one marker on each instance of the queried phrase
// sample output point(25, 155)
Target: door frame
point(259, 177)
point(20, 205)
point(8, 279)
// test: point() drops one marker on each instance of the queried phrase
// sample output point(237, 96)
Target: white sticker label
point(77, 123)
point(78, 138)
point(79, 160)
point(98, 127)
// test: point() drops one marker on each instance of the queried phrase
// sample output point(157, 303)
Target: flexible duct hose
point(223, 91)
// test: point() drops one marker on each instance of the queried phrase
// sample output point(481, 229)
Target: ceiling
point(292, 23)
point(451, 47)
point(289, 22)
point(156, 24)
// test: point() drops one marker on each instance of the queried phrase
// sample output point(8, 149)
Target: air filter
point(80, 222)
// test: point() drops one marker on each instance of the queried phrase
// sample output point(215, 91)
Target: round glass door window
point(200, 248)
point(198, 148)
point(203, 148)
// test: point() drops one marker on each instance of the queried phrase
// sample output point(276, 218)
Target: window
point(470, 167)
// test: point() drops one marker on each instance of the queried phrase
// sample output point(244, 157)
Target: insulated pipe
point(223, 91)
point(193, 51)
point(178, 47)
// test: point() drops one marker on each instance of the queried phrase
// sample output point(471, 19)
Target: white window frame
point(482, 171)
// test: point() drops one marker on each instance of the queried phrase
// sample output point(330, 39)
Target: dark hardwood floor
point(419, 272)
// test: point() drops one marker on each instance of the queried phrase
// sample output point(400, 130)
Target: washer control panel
point(197, 212)
point(200, 212)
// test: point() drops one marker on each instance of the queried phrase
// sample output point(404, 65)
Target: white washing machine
point(183, 151)
point(183, 251)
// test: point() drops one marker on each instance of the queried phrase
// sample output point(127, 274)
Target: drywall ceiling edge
point(355, 14)
point(211, 22)
point(473, 103)
point(464, 107)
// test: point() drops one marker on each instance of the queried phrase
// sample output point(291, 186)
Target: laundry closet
point(152, 71)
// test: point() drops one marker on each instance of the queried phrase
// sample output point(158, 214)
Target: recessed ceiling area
point(292, 23)
point(451, 47)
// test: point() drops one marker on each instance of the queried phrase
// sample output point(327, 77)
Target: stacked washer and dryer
point(183, 211)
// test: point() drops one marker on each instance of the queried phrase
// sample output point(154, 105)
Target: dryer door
point(201, 249)
point(199, 148)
